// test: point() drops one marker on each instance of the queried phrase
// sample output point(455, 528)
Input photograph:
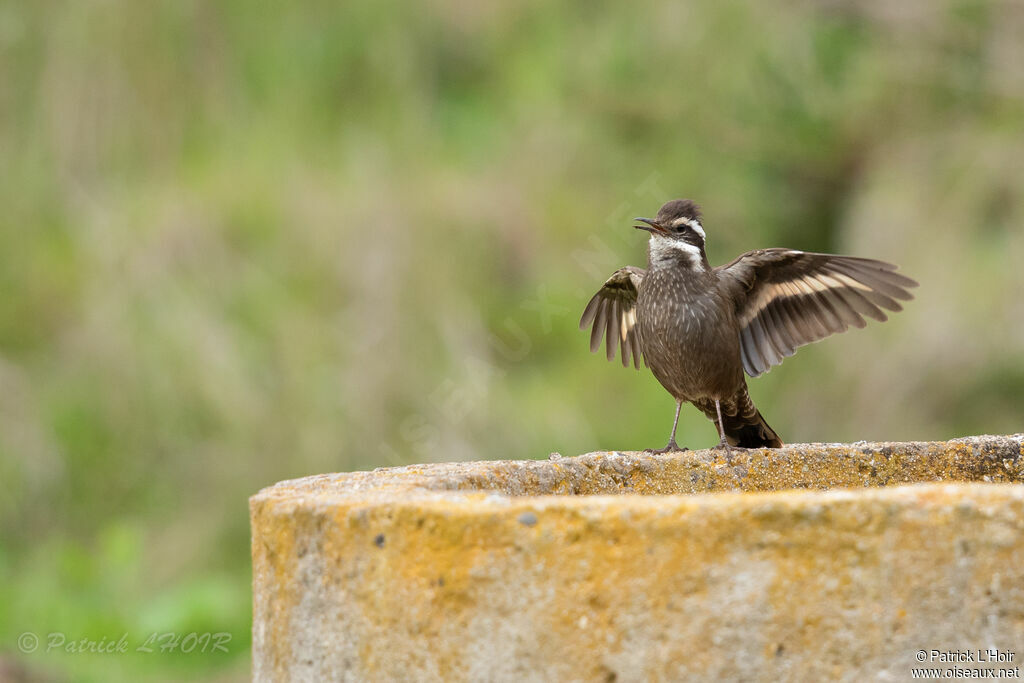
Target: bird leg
point(672, 445)
point(723, 443)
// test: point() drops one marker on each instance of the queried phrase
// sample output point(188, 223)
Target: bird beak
point(655, 227)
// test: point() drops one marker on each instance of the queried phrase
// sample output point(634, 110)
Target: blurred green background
point(245, 243)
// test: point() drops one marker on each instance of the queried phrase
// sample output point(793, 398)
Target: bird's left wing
point(786, 298)
point(612, 311)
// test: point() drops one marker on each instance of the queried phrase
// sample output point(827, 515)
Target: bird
point(700, 328)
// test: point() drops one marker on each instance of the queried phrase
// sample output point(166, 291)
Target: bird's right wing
point(612, 311)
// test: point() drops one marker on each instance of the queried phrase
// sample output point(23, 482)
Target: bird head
point(676, 229)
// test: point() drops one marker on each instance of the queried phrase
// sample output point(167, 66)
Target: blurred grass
point(245, 244)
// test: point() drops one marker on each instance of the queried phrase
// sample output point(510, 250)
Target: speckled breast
point(689, 335)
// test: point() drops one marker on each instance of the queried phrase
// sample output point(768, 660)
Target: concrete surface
point(625, 566)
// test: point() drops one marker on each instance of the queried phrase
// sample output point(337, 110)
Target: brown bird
point(699, 328)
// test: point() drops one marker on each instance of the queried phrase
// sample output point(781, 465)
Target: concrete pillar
point(812, 562)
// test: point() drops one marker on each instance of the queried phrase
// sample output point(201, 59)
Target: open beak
point(651, 227)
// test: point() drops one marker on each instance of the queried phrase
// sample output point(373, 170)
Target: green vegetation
point(241, 244)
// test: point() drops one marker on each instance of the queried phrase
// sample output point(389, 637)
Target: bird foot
point(729, 450)
point(671, 447)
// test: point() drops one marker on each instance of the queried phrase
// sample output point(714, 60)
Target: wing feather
point(597, 332)
point(832, 322)
point(753, 364)
point(612, 328)
point(786, 299)
point(880, 281)
point(849, 315)
point(635, 341)
point(858, 307)
point(611, 313)
point(780, 322)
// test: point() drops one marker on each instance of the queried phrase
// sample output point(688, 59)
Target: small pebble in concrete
point(379, 540)
point(528, 518)
point(555, 456)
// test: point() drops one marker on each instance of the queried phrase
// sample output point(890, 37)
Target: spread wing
point(612, 311)
point(786, 298)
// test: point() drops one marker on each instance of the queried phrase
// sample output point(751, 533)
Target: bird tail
point(750, 432)
point(744, 426)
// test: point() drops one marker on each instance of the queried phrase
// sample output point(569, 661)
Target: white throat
point(667, 249)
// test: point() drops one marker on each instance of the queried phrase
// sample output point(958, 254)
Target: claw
point(670, 448)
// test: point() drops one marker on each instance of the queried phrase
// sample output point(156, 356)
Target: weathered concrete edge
point(991, 459)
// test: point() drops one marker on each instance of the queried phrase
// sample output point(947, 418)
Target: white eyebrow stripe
point(695, 224)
